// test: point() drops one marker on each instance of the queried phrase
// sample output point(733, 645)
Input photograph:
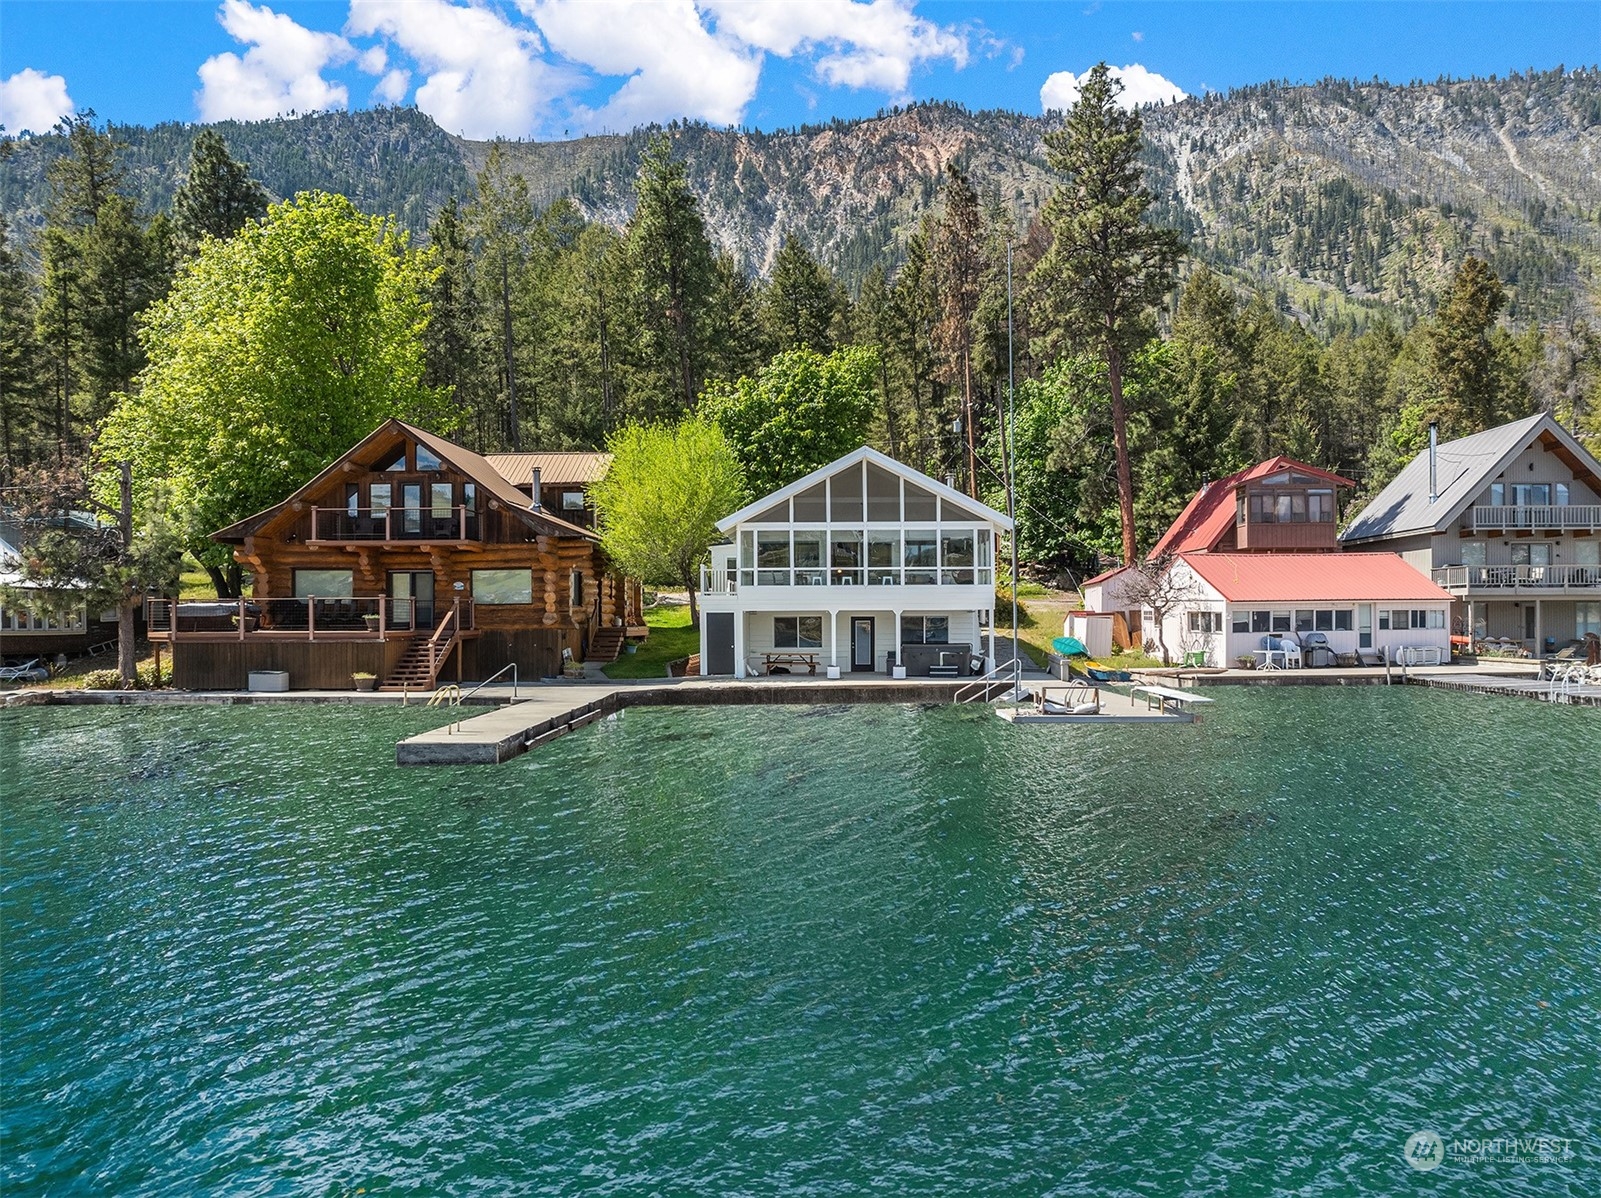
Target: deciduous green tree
point(275, 352)
point(660, 501)
point(801, 411)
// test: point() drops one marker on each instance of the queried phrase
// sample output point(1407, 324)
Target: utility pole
point(127, 657)
point(1011, 444)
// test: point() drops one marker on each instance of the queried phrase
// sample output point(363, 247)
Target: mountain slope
point(1348, 198)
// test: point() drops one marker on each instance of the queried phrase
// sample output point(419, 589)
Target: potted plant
point(364, 681)
point(1245, 661)
point(371, 621)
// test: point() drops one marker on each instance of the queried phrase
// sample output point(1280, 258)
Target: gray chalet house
point(1507, 520)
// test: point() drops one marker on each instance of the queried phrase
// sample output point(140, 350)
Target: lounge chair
point(28, 671)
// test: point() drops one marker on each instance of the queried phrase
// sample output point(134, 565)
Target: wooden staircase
point(419, 666)
point(412, 672)
point(607, 645)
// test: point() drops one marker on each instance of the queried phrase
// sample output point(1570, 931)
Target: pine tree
point(802, 301)
point(20, 388)
point(217, 197)
point(957, 249)
point(675, 278)
point(500, 219)
point(1106, 267)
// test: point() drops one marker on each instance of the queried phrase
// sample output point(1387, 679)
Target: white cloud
point(373, 60)
point(676, 67)
point(392, 87)
point(281, 72)
point(485, 77)
point(1140, 87)
point(32, 102)
point(866, 45)
point(1137, 36)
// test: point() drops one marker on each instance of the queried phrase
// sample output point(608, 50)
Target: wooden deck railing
point(372, 617)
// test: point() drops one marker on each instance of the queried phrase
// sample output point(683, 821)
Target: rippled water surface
point(809, 951)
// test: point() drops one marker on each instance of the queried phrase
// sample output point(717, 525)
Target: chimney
point(1434, 471)
point(533, 484)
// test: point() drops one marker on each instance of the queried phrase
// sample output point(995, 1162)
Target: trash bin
point(269, 681)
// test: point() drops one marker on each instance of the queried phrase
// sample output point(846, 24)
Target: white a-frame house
point(863, 565)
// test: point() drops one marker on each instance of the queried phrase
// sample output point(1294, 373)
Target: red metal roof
point(1210, 513)
point(1103, 576)
point(1314, 578)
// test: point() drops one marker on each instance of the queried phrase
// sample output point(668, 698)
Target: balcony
point(1554, 518)
point(344, 526)
point(1512, 581)
point(373, 618)
point(714, 581)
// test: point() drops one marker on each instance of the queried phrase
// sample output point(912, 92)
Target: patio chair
point(1292, 652)
point(28, 671)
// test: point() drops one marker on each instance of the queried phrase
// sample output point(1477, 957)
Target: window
point(395, 464)
point(883, 558)
point(797, 632)
point(1342, 620)
point(1320, 507)
point(1303, 619)
point(1586, 619)
point(956, 557)
point(925, 630)
point(1497, 494)
point(575, 589)
point(1240, 621)
point(1561, 496)
point(503, 586)
point(469, 497)
point(378, 498)
point(20, 619)
point(922, 556)
point(1261, 621)
point(352, 500)
point(845, 556)
point(1281, 621)
point(1384, 619)
point(1364, 626)
point(808, 555)
point(572, 501)
point(846, 496)
point(1432, 617)
point(812, 503)
point(1475, 553)
point(1239, 509)
point(883, 495)
point(1204, 621)
point(324, 584)
point(772, 558)
point(427, 459)
point(1325, 620)
point(440, 497)
point(1532, 553)
point(1399, 619)
point(1531, 494)
point(920, 504)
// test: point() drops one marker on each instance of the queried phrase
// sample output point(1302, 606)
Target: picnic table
point(791, 659)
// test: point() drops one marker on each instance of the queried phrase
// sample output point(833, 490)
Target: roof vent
point(533, 486)
point(1434, 460)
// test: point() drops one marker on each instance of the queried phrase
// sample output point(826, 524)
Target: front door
point(411, 599)
point(861, 643)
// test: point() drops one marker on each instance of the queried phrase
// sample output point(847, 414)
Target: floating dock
point(553, 711)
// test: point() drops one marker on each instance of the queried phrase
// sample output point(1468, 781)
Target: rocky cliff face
point(1345, 198)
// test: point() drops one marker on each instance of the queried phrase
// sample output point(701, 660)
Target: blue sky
point(548, 68)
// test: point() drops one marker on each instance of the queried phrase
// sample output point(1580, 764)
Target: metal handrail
point(1011, 670)
point(512, 666)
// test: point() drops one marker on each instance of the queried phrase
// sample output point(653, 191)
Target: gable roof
point(555, 469)
point(869, 454)
point(473, 465)
point(1314, 578)
point(1210, 512)
point(1463, 469)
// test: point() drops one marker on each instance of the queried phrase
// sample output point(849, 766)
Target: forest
point(530, 326)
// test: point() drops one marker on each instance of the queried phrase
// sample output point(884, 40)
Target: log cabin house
point(415, 560)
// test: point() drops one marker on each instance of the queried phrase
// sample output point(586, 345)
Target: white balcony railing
point(1518, 578)
point(1577, 515)
point(715, 581)
point(729, 582)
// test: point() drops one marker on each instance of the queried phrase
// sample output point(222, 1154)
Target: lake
point(806, 951)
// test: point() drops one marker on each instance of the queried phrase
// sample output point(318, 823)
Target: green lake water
point(877, 950)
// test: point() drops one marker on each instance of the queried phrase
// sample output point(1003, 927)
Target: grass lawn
point(1039, 622)
point(671, 637)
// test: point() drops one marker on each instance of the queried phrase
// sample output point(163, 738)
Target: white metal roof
point(855, 457)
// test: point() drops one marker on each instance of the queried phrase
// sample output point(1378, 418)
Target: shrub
point(147, 677)
point(102, 680)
